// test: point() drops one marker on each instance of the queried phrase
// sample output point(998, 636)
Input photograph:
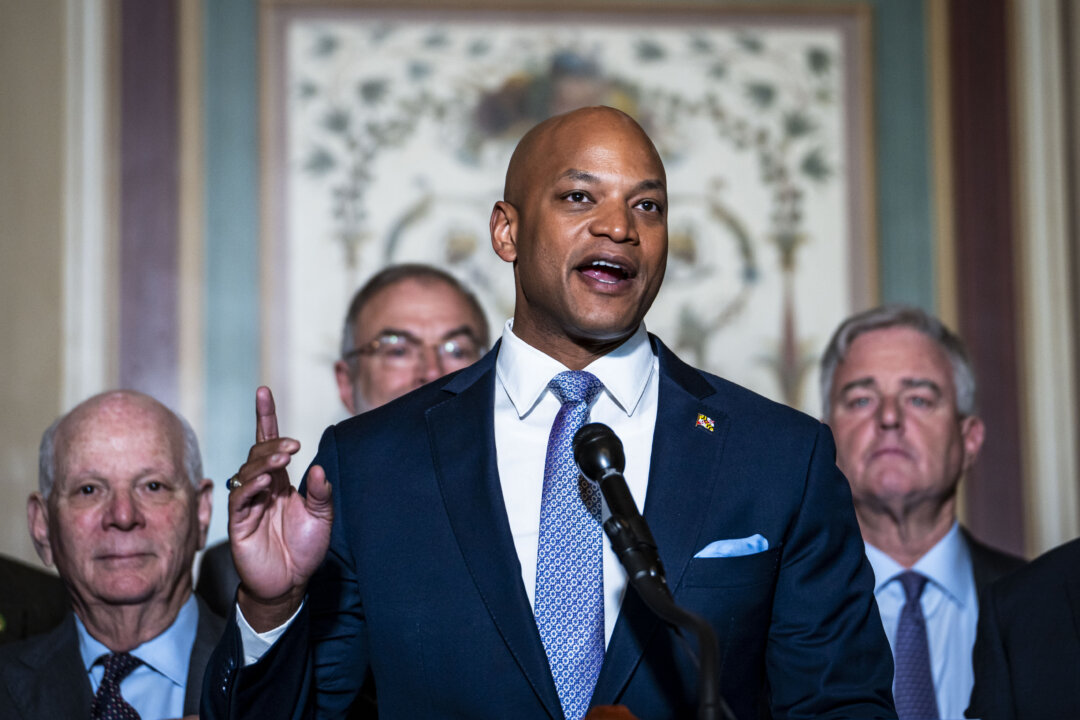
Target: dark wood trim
point(985, 252)
point(149, 198)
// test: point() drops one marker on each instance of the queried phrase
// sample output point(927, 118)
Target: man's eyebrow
point(588, 178)
point(922, 383)
point(652, 184)
point(865, 382)
point(580, 176)
point(463, 330)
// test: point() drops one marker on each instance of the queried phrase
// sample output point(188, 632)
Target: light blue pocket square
point(734, 548)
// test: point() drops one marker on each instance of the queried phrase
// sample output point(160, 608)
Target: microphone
point(599, 455)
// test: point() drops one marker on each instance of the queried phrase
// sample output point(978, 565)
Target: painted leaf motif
point(319, 162)
point(649, 51)
point(818, 60)
point(815, 166)
point(761, 94)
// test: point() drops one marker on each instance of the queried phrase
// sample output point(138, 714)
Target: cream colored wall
point(1044, 279)
point(31, 226)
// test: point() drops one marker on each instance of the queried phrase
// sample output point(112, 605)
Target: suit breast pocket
point(741, 571)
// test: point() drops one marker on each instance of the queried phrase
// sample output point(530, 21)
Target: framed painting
point(387, 132)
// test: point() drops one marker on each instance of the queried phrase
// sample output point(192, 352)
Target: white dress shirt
point(525, 410)
point(951, 607)
point(156, 687)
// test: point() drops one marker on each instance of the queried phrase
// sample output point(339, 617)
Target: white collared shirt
point(156, 688)
point(950, 605)
point(525, 410)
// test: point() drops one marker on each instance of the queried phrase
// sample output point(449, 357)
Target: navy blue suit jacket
point(422, 582)
point(1027, 647)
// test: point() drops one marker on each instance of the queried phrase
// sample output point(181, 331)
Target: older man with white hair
point(121, 510)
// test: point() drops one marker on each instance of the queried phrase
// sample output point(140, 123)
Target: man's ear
point(973, 431)
point(37, 519)
point(204, 505)
point(504, 224)
point(343, 375)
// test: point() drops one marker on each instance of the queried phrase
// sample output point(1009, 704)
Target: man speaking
point(446, 542)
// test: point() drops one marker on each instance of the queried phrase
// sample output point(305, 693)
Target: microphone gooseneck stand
point(599, 455)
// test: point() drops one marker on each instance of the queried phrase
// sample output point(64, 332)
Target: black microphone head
point(597, 450)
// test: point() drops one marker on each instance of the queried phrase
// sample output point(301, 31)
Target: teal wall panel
point(906, 254)
point(231, 238)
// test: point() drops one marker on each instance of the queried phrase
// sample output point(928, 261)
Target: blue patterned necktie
point(569, 605)
point(109, 704)
point(914, 684)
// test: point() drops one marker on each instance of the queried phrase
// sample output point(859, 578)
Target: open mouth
point(604, 271)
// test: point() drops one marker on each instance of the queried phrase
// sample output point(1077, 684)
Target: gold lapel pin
point(704, 421)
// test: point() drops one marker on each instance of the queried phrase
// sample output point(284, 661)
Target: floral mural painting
point(398, 127)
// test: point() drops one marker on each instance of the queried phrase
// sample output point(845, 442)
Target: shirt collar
point(526, 371)
point(169, 653)
point(947, 565)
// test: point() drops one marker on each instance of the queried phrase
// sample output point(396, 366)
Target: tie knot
point(118, 666)
point(913, 584)
point(574, 386)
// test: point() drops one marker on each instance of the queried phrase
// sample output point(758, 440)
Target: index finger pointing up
point(265, 415)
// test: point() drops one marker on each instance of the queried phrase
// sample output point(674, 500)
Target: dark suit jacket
point(988, 565)
point(1027, 649)
point(44, 677)
point(217, 585)
point(31, 601)
point(217, 578)
point(422, 582)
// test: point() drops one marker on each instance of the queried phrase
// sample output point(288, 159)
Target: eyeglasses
point(402, 350)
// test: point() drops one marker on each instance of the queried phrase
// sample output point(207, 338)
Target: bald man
point(444, 541)
point(121, 509)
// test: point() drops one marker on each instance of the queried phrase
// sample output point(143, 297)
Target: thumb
point(319, 493)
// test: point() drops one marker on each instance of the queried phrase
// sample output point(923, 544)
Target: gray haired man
point(899, 394)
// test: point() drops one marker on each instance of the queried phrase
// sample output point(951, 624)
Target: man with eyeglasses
point(406, 326)
point(410, 324)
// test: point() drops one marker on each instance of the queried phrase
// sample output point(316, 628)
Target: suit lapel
point(682, 469)
point(50, 681)
point(462, 437)
point(207, 633)
point(980, 571)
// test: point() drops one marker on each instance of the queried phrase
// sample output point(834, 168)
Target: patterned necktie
point(109, 704)
point(914, 684)
point(569, 561)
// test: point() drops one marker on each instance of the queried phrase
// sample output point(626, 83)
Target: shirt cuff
point(256, 644)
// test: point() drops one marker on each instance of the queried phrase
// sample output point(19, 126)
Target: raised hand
point(278, 536)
